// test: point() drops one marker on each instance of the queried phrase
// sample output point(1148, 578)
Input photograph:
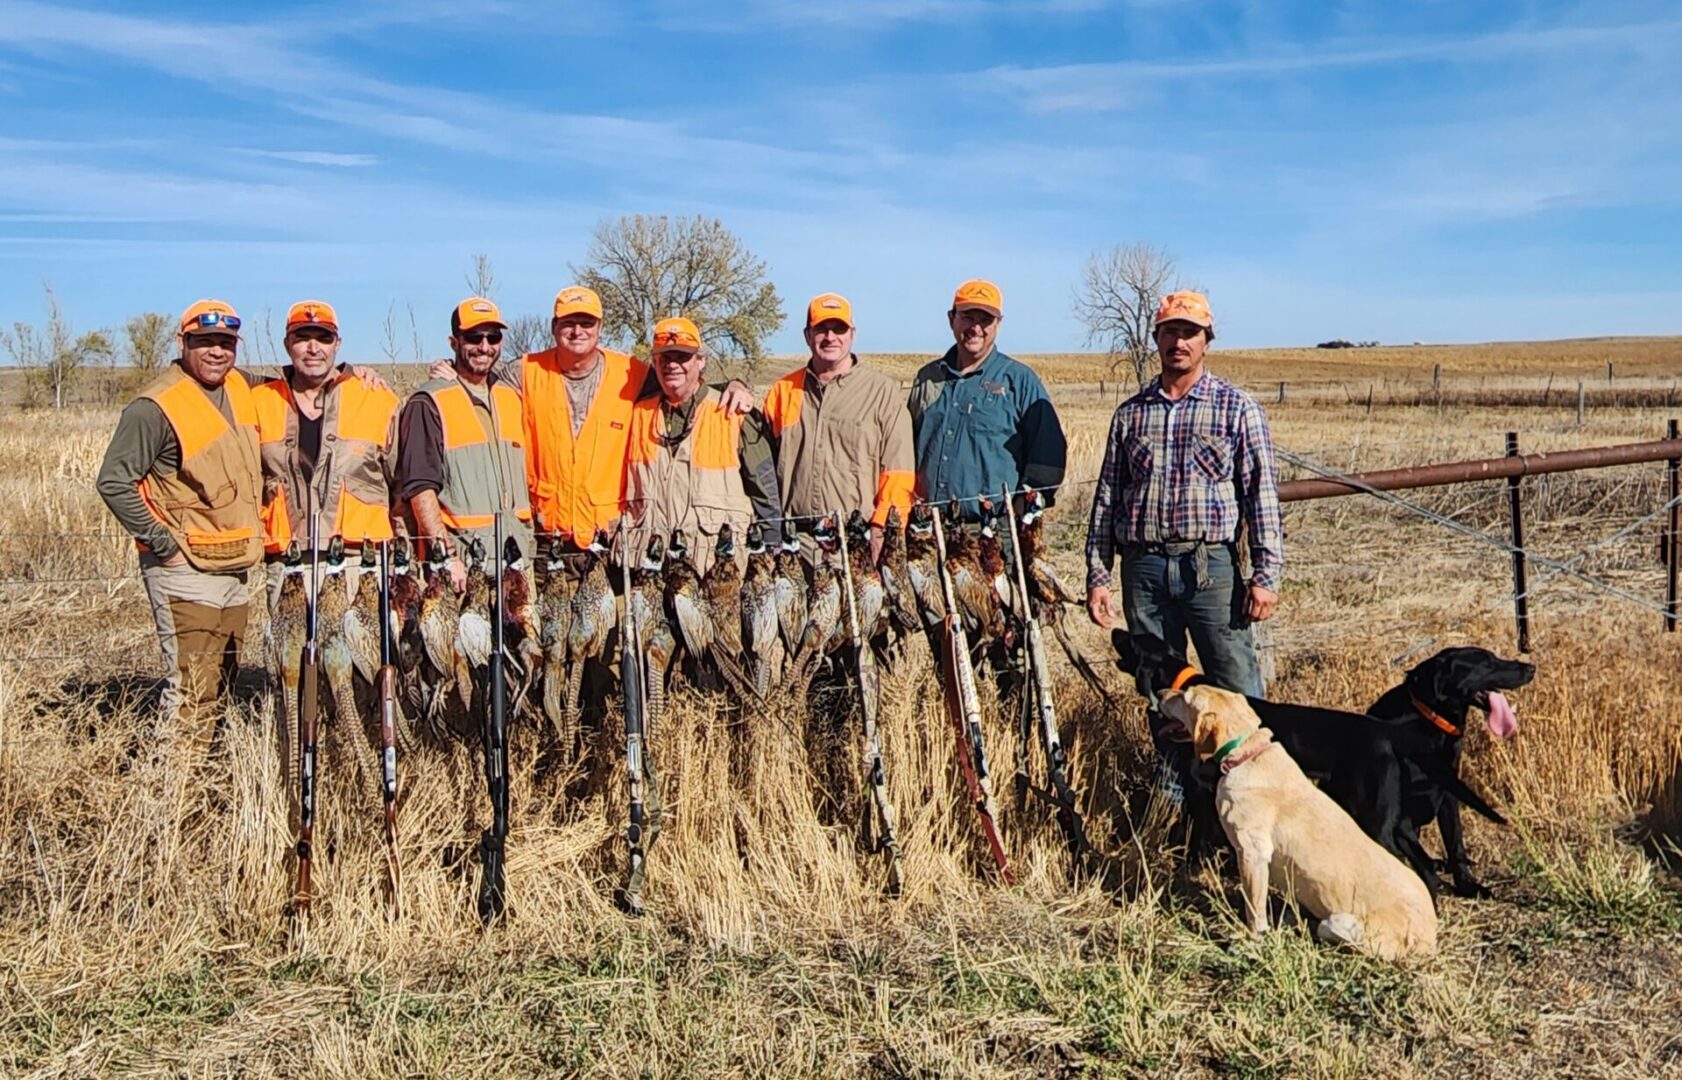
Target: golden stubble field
point(142, 908)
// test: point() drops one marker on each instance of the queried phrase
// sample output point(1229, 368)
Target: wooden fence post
point(1281, 393)
point(1579, 403)
point(1515, 507)
point(1673, 541)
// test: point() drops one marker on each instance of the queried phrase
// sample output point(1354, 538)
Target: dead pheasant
point(762, 642)
point(871, 595)
point(288, 629)
point(659, 646)
point(825, 629)
point(440, 621)
point(520, 629)
point(594, 617)
point(896, 577)
point(920, 566)
point(991, 556)
point(1050, 597)
point(972, 586)
point(554, 615)
point(789, 587)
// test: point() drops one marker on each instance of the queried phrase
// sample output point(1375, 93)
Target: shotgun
point(963, 705)
point(385, 688)
point(1040, 712)
point(631, 690)
point(493, 886)
point(309, 716)
point(876, 825)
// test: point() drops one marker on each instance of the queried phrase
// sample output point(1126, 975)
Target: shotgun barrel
point(877, 821)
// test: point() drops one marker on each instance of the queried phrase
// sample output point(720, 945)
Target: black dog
point(1431, 705)
point(1390, 775)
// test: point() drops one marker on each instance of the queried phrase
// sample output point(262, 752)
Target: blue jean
point(1159, 595)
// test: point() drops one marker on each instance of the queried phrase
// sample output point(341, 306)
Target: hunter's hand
point(458, 573)
point(177, 559)
point(441, 369)
point(370, 378)
point(1262, 604)
point(736, 399)
point(1098, 606)
point(876, 538)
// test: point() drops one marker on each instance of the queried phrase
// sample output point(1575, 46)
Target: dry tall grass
point(142, 909)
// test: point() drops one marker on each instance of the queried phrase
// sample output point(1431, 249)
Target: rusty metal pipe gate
point(1513, 467)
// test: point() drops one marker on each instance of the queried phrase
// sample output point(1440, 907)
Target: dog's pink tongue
point(1503, 722)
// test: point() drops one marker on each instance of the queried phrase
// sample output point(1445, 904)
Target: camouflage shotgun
point(631, 689)
point(385, 690)
point(1039, 713)
point(309, 718)
point(963, 705)
point(876, 823)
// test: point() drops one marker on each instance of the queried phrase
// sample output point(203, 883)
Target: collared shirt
point(842, 445)
point(1192, 469)
point(983, 430)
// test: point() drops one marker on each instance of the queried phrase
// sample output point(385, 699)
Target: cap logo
point(831, 305)
point(481, 306)
point(309, 314)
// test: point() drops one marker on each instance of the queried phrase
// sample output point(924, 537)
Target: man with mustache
point(1189, 462)
point(462, 445)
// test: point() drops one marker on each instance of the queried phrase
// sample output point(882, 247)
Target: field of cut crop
point(143, 924)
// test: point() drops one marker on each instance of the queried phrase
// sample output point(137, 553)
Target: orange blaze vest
point(695, 485)
point(211, 506)
point(482, 467)
point(350, 476)
point(578, 485)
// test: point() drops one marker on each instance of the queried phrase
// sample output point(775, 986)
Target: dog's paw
point(1472, 889)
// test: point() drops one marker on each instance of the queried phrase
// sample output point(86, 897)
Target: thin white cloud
point(1109, 86)
point(317, 157)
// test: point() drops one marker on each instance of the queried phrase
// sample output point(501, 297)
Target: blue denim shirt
point(984, 429)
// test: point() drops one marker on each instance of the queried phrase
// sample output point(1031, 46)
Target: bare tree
point(149, 344)
point(526, 334)
point(481, 279)
point(1117, 298)
point(52, 357)
point(388, 333)
point(648, 267)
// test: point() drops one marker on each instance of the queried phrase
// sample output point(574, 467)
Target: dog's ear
point(1122, 642)
point(1206, 734)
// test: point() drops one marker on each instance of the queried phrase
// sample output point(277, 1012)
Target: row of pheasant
point(769, 628)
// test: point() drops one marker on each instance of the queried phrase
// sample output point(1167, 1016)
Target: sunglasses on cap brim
point(212, 320)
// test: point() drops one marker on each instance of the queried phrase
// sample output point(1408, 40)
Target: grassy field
point(142, 902)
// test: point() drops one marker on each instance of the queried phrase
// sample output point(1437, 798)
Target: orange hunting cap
point(677, 334)
point(1186, 306)
point(577, 300)
point(476, 311)
point(979, 294)
point(210, 316)
point(827, 306)
point(312, 313)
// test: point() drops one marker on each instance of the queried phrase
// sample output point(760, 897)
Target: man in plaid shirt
point(1189, 460)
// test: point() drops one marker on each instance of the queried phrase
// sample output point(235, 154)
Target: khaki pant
point(200, 620)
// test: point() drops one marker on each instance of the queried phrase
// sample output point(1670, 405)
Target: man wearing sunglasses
point(693, 464)
point(183, 475)
point(462, 446)
point(982, 420)
point(328, 436)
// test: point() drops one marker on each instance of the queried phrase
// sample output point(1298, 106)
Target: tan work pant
point(200, 620)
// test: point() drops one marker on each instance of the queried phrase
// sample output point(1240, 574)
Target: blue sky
point(1399, 171)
